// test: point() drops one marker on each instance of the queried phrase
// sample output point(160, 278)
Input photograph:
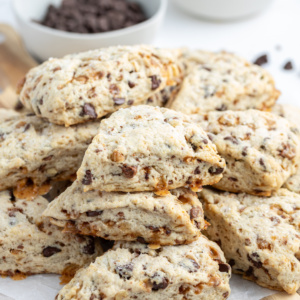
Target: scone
point(259, 236)
point(135, 271)
point(30, 246)
point(146, 148)
point(292, 114)
point(223, 81)
point(173, 219)
point(7, 114)
point(33, 151)
point(92, 84)
point(260, 149)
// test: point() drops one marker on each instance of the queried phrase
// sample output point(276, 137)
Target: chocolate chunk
point(194, 212)
point(49, 251)
point(131, 84)
point(94, 213)
point(244, 151)
point(288, 66)
point(89, 110)
point(254, 259)
point(225, 268)
point(129, 171)
point(231, 139)
point(89, 248)
point(27, 126)
point(141, 240)
point(159, 282)
point(215, 171)
point(48, 158)
point(222, 107)
point(231, 262)
point(225, 295)
point(88, 178)
point(197, 171)
point(155, 81)
point(261, 60)
point(130, 102)
point(124, 271)
point(119, 101)
point(19, 106)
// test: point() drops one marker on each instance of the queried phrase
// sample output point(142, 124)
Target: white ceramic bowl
point(44, 42)
point(223, 10)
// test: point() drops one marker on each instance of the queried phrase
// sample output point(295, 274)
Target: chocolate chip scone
point(92, 84)
point(224, 81)
point(135, 271)
point(173, 219)
point(35, 151)
point(259, 236)
point(146, 148)
point(30, 246)
point(260, 149)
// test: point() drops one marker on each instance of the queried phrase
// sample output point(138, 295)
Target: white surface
point(44, 42)
point(223, 10)
point(279, 25)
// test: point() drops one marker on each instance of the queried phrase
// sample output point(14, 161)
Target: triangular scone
point(30, 246)
point(259, 236)
point(261, 150)
point(146, 148)
point(34, 151)
point(223, 81)
point(176, 218)
point(92, 84)
point(136, 271)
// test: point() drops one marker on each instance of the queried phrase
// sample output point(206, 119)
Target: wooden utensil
point(14, 64)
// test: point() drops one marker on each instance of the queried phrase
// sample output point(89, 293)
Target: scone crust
point(145, 148)
point(135, 271)
point(259, 236)
point(92, 84)
point(261, 150)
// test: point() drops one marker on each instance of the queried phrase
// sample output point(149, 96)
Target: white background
point(277, 26)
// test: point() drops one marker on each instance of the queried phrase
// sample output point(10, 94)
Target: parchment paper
point(45, 287)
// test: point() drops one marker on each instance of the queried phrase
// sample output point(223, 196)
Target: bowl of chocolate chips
point(54, 28)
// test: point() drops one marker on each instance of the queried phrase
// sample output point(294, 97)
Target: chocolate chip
point(254, 259)
point(129, 171)
point(261, 60)
point(288, 66)
point(141, 240)
point(232, 179)
point(94, 213)
point(88, 178)
point(48, 158)
point(159, 282)
point(225, 295)
point(225, 268)
point(124, 271)
point(222, 107)
point(130, 102)
point(26, 127)
point(155, 81)
point(119, 101)
point(41, 102)
point(197, 171)
point(89, 110)
point(153, 228)
point(231, 139)
point(215, 171)
point(89, 248)
point(194, 212)
point(231, 262)
point(131, 84)
point(19, 106)
point(244, 151)
point(49, 251)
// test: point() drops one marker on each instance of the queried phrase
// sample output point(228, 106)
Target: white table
point(278, 26)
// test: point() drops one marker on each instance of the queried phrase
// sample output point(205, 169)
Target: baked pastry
point(7, 114)
point(259, 236)
point(92, 84)
point(30, 246)
point(223, 81)
point(176, 218)
point(146, 148)
point(260, 149)
point(33, 152)
point(135, 271)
